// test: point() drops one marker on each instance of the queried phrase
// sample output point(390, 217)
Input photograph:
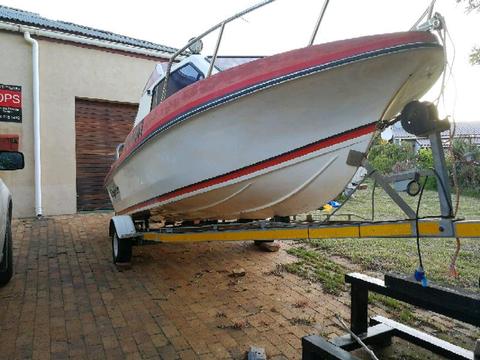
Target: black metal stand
point(449, 302)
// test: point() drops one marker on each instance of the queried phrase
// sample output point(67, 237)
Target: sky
point(281, 26)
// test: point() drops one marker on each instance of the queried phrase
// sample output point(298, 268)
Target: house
point(469, 131)
point(89, 83)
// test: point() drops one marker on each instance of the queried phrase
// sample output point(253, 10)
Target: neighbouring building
point(469, 131)
point(89, 81)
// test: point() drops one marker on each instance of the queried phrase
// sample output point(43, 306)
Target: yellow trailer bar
point(399, 229)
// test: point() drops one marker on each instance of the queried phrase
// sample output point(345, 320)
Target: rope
point(357, 339)
point(443, 36)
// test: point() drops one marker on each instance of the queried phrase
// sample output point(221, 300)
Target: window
point(178, 79)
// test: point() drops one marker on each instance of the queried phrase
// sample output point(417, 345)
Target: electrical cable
point(447, 64)
point(419, 252)
point(452, 269)
point(373, 200)
point(444, 72)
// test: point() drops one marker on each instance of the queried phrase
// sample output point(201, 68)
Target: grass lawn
point(327, 260)
point(398, 255)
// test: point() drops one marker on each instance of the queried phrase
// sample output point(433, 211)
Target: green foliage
point(425, 161)
point(467, 164)
point(317, 267)
point(471, 6)
point(462, 147)
point(393, 158)
point(389, 157)
point(425, 158)
point(475, 56)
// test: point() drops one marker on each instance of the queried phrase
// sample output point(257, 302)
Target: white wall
point(66, 72)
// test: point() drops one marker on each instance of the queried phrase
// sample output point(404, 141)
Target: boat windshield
point(156, 74)
point(178, 79)
point(223, 63)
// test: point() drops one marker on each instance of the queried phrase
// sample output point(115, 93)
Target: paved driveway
point(67, 300)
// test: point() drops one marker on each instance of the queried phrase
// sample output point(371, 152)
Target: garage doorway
point(99, 127)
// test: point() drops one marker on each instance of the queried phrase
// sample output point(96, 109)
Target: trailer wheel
point(6, 266)
point(121, 249)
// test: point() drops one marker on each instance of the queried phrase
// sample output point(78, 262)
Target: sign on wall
point(10, 103)
point(9, 142)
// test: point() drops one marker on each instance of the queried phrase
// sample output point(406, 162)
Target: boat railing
point(221, 26)
point(194, 40)
point(317, 24)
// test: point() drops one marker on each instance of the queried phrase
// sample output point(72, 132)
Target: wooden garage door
point(99, 127)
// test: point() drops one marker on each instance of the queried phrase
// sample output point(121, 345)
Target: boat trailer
point(126, 232)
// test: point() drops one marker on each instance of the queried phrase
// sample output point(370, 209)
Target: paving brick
point(198, 346)
point(41, 355)
point(159, 340)
point(187, 355)
point(170, 331)
point(208, 356)
point(179, 343)
point(218, 350)
point(167, 352)
point(148, 350)
point(109, 342)
point(128, 345)
point(114, 354)
point(133, 356)
point(67, 300)
point(95, 352)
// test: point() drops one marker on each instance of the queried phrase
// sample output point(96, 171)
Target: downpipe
point(36, 124)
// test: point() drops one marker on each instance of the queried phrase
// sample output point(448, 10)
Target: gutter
point(36, 124)
point(83, 40)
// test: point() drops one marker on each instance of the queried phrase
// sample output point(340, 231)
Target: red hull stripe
point(305, 150)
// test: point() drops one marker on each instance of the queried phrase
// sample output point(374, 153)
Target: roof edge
point(80, 39)
point(28, 18)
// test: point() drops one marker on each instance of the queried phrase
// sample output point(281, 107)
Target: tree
point(475, 56)
point(473, 5)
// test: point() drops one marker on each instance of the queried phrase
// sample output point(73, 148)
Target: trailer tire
point(121, 249)
point(6, 266)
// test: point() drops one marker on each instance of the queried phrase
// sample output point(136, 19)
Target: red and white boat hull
point(276, 145)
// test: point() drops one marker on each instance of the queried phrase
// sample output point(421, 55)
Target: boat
point(269, 137)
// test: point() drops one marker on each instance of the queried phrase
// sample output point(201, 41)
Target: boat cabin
point(182, 74)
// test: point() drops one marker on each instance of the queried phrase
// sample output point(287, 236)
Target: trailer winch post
point(443, 183)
